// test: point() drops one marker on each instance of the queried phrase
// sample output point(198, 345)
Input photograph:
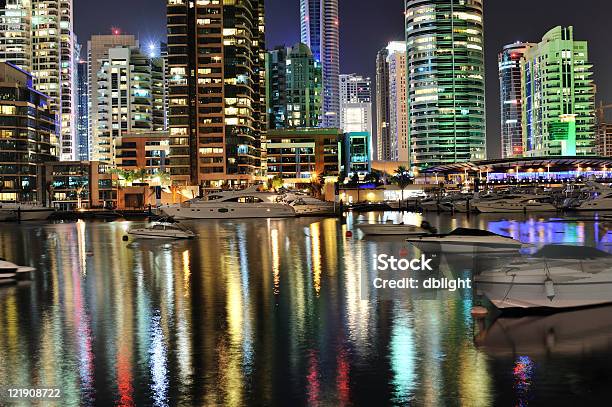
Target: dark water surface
point(269, 312)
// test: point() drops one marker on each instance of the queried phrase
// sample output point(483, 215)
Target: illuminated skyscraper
point(82, 122)
point(97, 50)
point(38, 36)
point(355, 104)
point(446, 81)
point(398, 115)
point(320, 31)
point(558, 97)
point(53, 66)
point(293, 86)
point(382, 142)
point(216, 60)
point(511, 102)
point(15, 33)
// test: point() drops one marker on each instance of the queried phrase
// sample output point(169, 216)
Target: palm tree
point(402, 178)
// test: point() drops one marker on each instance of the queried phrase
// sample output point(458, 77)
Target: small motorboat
point(162, 230)
point(10, 272)
point(464, 240)
point(557, 276)
point(389, 228)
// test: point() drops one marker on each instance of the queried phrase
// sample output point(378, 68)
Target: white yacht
point(601, 201)
point(247, 203)
point(309, 206)
point(392, 229)
point(516, 203)
point(162, 230)
point(557, 276)
point(24, 211)
point(464, 240)
point(10, 272)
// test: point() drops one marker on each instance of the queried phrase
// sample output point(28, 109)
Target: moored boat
point(247, 203)
point(388, 229)
point(162, 230)
point(11, 211)
point(464, 240)
point(557, 276)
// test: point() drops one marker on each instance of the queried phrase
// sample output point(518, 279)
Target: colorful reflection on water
point(268, 312)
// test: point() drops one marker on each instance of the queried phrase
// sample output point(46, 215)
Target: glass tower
point(510, 84)
point(446, 81)
point(320, 31)
point(558, 97)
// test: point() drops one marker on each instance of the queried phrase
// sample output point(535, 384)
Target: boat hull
point(26, 214)
point(459, 244)
point(509, 207)
point(229, 211)
point(507, 295)
point(147, 235)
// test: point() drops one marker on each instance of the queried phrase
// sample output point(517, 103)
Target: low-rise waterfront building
point(357, 153)
point(143, 151)
point(72, 185)
point(28, 135)
point(301, 156)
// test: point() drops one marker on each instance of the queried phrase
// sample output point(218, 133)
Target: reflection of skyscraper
point(446, 81)
point(320, 31)
point(511, 101)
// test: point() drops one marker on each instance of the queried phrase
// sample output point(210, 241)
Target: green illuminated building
point(445, 81)
point(558, 95)
point(294, 88)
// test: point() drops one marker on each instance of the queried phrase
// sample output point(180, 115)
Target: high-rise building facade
point(511, 102)
point(38, 36)
point(82, 108)
point(320, 31)
point(355, 104)
point(398, 107)
point(97, 51)
point(293, 87)
point(216, 59)
point(558, 97)
point(28, 135)
point(604, 131)
point(53, 65)
point(124, 101)
point(446, 81)
point(382, 140)
point(16, 33)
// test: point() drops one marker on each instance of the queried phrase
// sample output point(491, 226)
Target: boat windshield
point(570, 252)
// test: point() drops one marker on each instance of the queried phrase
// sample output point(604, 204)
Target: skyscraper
point(355, 104)
point(216, 54)
point(382, 141)
point(97, 50)
point(446, 81)
point(293, 87)
point(124, 101)
point(398, 116)
point(37, 36)
point(511, 102)
point(53, 65)
point(82, 108)
point(558, 97)
point(320, 31)
point(16, 33)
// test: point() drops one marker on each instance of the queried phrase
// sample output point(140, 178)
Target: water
point(268, 312)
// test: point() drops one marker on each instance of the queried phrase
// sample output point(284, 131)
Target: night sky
point(367, 27)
